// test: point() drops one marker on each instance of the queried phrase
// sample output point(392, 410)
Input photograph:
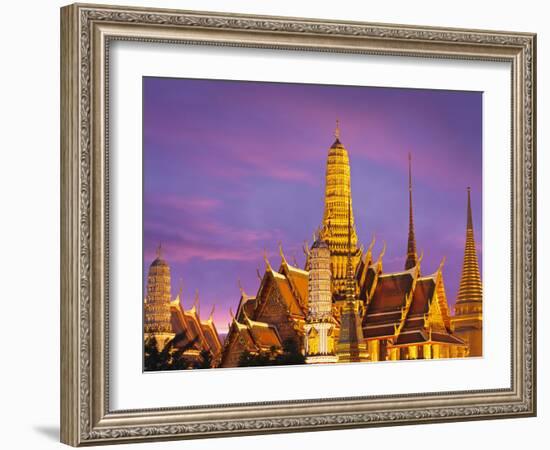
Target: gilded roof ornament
point(241, 289)
point(211, 316)
point(197, 303)
point(283, 259)
point(267, 264)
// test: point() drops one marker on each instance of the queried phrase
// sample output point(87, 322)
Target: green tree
point(289, 354)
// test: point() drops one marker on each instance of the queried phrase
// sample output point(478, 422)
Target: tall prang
point(467, 321)
point(351, 346)
point(157, 314)
point(412, 258)
point(319, 325)
point(338, 212)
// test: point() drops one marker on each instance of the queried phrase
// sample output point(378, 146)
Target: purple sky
point(231, 168)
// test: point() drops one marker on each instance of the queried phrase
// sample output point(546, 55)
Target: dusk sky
point(231, 168)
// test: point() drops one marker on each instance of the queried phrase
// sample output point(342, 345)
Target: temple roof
point(424, 336)
point(423, 293)
point(390, 292)
point(300, 280)
point(203, 333)
point(246, 307)
point(264, 335)
point(255, 336)
point(287, 294)
point(211, 336)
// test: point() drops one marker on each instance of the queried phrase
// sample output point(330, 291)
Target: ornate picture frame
point(87, 32)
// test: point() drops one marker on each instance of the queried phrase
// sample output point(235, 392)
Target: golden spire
point(412, 258)
point(470, 289)
point(159, 250)
point(338, 214)
point(351, 346)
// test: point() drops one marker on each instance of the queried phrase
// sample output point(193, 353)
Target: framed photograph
point(276, 225)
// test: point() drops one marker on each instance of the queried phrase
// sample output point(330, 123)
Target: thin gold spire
point(469, 221)
point(159, 250)
point(412, 258)
point(337, 129)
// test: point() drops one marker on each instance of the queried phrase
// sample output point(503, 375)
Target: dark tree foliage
point(290, 354)
point(172, 356)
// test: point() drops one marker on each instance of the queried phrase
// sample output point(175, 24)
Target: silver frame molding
point(86, 32)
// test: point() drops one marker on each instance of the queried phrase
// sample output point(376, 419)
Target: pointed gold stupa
point(338, 213)
point(351, 346)
point(467, 322)
point(412, 257)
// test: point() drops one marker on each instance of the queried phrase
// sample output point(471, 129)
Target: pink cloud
point(197, 204)
point(206, 239)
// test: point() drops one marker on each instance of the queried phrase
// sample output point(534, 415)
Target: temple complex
point(341, 306)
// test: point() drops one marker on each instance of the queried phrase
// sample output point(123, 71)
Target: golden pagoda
point(157, 302)
point(338, 214)
point(468, 322)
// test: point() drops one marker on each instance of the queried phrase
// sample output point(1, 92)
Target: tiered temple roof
point(201, 334)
